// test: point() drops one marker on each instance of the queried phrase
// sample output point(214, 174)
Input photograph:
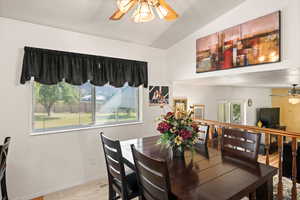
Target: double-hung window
point(64, 106)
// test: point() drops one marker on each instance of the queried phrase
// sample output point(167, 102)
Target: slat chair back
point(153, 177)
point(3, 159)
point(114, 165)
point(240, 144)
point(203, 134)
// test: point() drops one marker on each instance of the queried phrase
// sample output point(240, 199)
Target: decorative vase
point(177, 153)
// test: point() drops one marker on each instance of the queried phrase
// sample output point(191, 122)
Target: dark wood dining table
point(205, 174)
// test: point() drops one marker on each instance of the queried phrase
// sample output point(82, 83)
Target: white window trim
point(84, 127)
point(65, 130)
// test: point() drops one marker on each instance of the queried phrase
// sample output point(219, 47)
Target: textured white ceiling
point(91, 17)
point(268, 79)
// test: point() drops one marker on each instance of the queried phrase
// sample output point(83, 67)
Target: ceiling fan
point(293, 93)
point(144, 10)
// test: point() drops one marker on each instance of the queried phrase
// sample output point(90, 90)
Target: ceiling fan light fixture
point(143, 10)
point(161, 11)
point(124, 5)
point(143, 13)
point(294, 100)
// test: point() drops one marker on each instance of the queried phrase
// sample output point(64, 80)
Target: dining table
point(204, 174)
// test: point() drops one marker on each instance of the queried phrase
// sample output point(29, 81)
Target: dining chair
point(153, 177)
point(3, 158)
point(120, 182)
point(203, 134)
point(240, 144)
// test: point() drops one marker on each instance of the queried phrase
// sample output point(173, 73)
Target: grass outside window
point(63, 106)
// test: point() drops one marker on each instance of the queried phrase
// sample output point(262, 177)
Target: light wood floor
point(98, 190)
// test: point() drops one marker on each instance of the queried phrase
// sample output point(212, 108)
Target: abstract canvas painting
point(251, 43)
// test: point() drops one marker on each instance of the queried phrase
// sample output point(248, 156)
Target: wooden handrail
point(268, 132)
point(251, 128)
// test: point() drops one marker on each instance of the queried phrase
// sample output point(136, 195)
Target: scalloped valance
point(51, 67)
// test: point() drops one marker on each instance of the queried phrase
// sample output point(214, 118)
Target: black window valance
point(51, 67)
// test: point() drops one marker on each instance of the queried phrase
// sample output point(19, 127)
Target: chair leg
point(3, 187)
point(252, 196)
point(140, 198)
point(111, 193)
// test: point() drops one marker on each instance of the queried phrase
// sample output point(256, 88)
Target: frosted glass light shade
point(124, 5)
point(294, 100)
point(161, 11)
point(143, 13)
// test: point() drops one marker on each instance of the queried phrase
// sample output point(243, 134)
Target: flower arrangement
point(178, 130)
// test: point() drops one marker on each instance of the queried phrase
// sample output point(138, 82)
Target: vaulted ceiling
point(91, 17)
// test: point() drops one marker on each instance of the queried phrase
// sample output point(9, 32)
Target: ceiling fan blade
point(171, 13)
point(119, 14)
point(279, 95)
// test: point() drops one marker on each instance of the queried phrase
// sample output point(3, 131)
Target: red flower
point(169, 115)
point(185, 134)
point(195, 127)
point(163, 127)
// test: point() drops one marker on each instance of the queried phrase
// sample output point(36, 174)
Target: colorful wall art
point(251, 43)
point(158, 95)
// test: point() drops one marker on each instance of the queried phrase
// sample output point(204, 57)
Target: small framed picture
point(199, 111)
point(180, 104)
point(158, 95)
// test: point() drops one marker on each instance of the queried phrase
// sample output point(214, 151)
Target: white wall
point(41, 164)
point(210, 96)
point(181, 58)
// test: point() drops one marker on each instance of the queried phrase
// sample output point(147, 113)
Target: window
point(64, 106)
point(231, 112)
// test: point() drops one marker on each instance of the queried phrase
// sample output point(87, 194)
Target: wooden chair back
point(114, 163)
point(153, 177)
point(203, 134)
point(240, 144)
point(3, 159)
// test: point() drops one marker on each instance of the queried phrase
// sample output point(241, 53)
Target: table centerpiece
point(178, 132)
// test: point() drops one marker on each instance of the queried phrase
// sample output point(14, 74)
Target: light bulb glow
point(143, 13)
point(294, 100)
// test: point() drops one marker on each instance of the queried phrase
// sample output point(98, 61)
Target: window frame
point(228, 110)
point(94, 124)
